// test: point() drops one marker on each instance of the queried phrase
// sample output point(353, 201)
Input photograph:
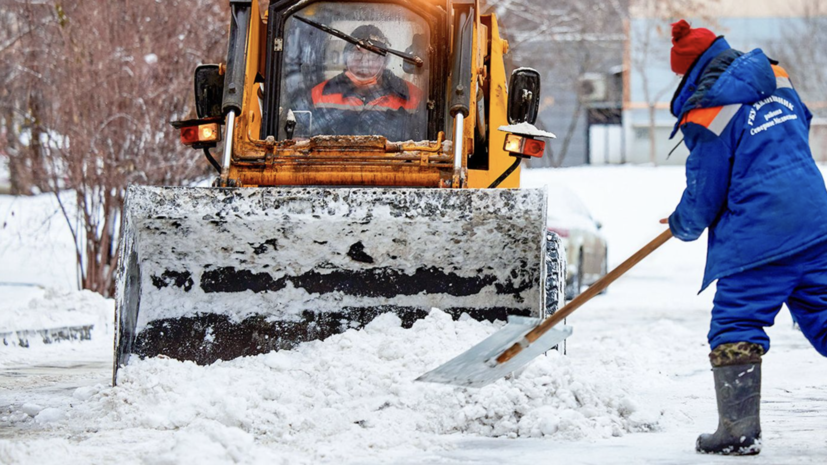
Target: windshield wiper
point(378, 49)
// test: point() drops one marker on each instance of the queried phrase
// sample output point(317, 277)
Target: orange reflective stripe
point(393, 102)
point(396, 102)
point(715, 119)
point(336, 99)
point(316, 93)
point(702, 116)
point(779, 71)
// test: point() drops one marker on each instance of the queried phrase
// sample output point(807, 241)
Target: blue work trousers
point(747, 302)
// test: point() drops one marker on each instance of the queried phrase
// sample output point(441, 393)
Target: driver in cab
point(366, 98)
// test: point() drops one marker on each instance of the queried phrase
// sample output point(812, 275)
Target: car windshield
point(565, 206)
point(335, 87)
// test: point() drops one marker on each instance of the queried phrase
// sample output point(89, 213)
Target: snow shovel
point(523, 339)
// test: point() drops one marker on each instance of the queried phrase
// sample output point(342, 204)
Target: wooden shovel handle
point(581, 299)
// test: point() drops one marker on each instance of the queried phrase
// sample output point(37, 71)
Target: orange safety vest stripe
point(386, 101)
point(779, 71)
point(339, 99)
point(702, 116)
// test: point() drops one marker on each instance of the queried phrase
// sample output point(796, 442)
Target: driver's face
point(364, 64)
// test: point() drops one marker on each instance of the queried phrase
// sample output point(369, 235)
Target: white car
point(586, 249)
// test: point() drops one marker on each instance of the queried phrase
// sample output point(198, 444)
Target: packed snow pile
point(55, 310)
point(356, 390)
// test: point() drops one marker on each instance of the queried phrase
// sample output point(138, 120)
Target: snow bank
point(351, 395)
point(51, 309)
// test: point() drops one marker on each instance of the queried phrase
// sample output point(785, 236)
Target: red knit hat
point(688, 44)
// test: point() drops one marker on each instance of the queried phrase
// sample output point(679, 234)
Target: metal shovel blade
point(478, 367)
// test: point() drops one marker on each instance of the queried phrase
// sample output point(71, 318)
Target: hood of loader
point(209, 273)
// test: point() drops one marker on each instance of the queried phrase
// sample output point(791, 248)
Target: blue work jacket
point(750, 176)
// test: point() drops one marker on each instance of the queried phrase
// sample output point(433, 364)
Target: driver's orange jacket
point(389, 93)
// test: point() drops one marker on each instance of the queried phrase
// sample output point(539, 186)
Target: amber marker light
point(208, 132)
point(513, 143)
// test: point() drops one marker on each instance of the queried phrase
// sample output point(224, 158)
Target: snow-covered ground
point(635, 386)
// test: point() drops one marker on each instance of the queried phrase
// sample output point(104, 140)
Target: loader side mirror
point(523, 96)
point(209, 90)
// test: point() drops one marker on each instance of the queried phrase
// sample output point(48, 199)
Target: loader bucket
point(213, 273)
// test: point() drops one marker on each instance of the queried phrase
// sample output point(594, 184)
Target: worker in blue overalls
point(752, 182)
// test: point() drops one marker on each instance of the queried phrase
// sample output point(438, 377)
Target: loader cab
point(319, 82)
point(393, 93)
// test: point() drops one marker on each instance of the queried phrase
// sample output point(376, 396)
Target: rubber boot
point(738, 390)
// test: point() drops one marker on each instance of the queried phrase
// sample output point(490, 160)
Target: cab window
point(335, 87)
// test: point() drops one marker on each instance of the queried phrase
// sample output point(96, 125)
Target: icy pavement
point(635, 386)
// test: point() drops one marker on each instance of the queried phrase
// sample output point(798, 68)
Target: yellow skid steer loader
point(370, 164)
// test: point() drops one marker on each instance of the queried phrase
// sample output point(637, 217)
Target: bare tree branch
point(88, 99)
